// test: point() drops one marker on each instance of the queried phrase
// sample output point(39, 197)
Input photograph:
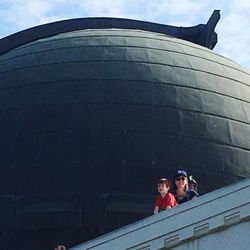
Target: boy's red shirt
point(163, 203)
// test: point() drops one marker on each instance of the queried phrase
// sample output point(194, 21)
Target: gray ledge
point(221, 215)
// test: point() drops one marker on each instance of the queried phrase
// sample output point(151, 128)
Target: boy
point(192, 188)
point(165, 200)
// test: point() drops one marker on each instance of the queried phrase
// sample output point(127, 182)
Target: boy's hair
point(164, 181)
point(191, 180)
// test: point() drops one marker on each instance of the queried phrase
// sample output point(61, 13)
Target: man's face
point(162, 188)
point(181, 181)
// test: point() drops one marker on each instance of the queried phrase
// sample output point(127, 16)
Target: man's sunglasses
point(182, 178)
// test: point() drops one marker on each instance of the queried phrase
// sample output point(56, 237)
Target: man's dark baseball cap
point(180, 173)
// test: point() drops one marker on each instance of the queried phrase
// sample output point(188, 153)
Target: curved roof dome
point(97, 116)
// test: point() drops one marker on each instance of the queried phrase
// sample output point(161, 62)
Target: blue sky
point(233, 28)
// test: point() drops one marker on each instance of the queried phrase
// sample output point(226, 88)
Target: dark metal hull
point(91, 119)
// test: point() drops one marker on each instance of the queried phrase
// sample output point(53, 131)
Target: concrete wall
point(218, 220)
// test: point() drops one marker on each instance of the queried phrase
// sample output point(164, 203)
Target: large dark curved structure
point(91, 118)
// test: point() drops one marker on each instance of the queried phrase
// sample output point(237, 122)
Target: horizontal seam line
point(128, 46)
point(121, 61)
point(128, 104)
point(34, 84)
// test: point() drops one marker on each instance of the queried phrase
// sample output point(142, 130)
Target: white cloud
point(106, 8)
point(234, 38)
point(172, 12)
point(27, 13)
point(240, 5)
point(179, 13)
